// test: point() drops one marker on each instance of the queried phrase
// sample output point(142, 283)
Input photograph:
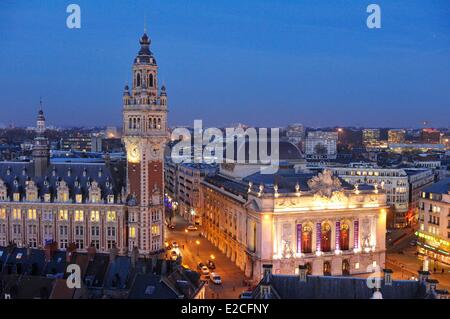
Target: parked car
point(413, 242)
point(171, 226)
point(246, 295)
point(210, 264)
point(200, 266)
point(173, 255)
point(174, 244)
point(215, 278)
point(192, 227)
point(204, 270)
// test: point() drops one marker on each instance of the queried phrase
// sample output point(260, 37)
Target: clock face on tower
point(133, 154)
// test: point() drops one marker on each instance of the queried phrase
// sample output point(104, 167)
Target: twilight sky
point(260, 62)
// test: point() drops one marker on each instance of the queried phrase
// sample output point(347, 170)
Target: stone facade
point(335, 234)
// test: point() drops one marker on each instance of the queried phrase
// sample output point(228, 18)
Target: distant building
point(402, 186)
point(370, 136)
point(430, 136)
point(396, 136)
point(321, 145)
point(295, 134)
point(400, 148)
point(183, 187)
point(434, 231)
point(81, 142)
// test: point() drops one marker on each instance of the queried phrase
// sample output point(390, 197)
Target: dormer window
point(110, 199)
point(95, 198)
point(54, 172)
point(69, 172)
point(79, 198)
point(47, 198)
point(8, 171)
point(16, 197)
point(100, 173)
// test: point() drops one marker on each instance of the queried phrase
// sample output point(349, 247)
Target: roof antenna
point(40, 102)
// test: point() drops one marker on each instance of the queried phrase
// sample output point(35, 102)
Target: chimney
point(302, 273)
point(91, 251)
point(70, 250)
point(113, 252)
point(431, 285)
point(387, 277)
point(134, 256)
point(423, 276)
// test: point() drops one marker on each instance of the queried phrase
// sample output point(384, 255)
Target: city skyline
point(309, 65)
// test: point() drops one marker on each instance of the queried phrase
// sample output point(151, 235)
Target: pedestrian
point(434, 269)
point(442, 270)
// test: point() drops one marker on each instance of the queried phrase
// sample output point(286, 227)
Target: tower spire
point(145, 23)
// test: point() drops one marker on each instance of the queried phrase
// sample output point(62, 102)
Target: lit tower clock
point(145, 137)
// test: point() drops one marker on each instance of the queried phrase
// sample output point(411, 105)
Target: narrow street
point(193, 253)
point(403, 260)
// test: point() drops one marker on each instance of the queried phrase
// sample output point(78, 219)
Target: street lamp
point(186, 232)
point(198, 245)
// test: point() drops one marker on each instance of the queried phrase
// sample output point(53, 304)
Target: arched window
point(134, 123)
point(344, 237)
point(345, 267)
point(154, 122)
point(130, 123)
point(159, 124)
point(326, 237)
point(326, 268)
point(307, 239)
point(150, 80)
point(138, 123)
point(138, 80)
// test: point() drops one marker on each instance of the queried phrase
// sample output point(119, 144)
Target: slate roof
point(110, 178)
point(286, 179)
point(150, 286)
point(441, 187)
point(101, 278)
point(329, 287)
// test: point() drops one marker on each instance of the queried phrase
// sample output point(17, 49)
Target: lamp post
point(198, 245)
point(186, 232)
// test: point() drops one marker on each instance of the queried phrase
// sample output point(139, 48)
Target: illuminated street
point(232, 276)
point(402, 259)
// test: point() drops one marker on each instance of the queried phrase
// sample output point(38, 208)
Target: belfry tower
point(41, 150)
point(145, 136)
